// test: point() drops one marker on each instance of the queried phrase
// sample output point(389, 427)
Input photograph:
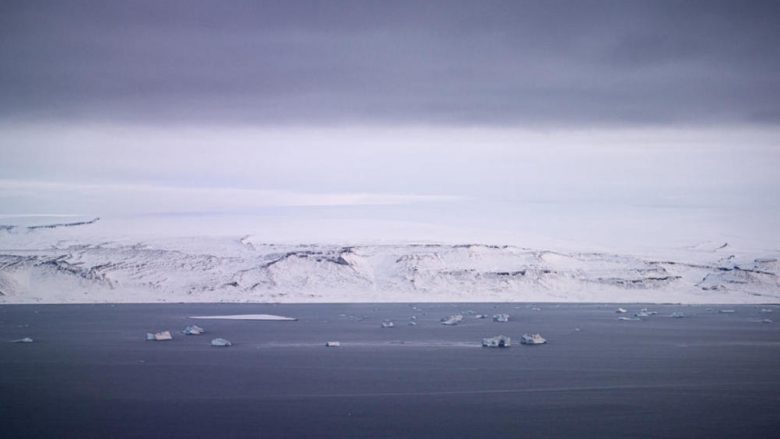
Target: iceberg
point(452, 320)
point(388, 324)
point(159, 336)
point(532, 339)
point(23, 340)
point(221, 342)
point(499, 341)
point(246, 317)
point(332, 344)
point(193, 330)
point(621, 311)
point(502, 318)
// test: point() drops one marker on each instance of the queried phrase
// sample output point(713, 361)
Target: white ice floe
point(621, 311)
point(193, 330)
point(452, 320)
point(499, 341)
point(388, 324)
point(159, 336)
point(23, 340)
point(246, 317)
point(332, 344)
point(532, 339)
point(727, 311)
point(629, 319)
point(501, 318)
point(221, 342)
point(678, 315)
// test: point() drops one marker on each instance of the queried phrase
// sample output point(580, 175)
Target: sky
point(560, 118)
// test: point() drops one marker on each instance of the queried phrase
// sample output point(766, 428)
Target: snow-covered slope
point(45, 265)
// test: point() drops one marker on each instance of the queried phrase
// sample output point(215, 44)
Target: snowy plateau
point(51, 264)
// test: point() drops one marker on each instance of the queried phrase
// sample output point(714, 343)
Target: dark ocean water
point(90, 374)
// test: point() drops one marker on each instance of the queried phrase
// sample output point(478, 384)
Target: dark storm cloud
point(460, 62)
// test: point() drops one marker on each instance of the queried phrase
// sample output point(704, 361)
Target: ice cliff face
point(240, 269)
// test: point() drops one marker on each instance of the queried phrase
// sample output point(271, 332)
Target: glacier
point(55, 265)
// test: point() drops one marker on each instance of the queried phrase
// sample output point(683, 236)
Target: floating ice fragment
point(23, 340)
point(766, 310)
point(499, 341)
point(159, 336)
point(332, 344)
point(480, 316)
point(452, 320)
point(388, 324)
point(621, 311)
point(726, 311)
point(193, 330)
point(532, 339)
point(221, 342)
point(766, 321)
point(502, 318)
point(629, 319)
point(677, 315)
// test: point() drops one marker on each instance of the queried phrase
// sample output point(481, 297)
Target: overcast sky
point(191, 106)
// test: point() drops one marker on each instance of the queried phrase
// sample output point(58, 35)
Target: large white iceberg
point(246, 317)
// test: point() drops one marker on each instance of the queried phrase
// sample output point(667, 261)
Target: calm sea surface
point(91, 374)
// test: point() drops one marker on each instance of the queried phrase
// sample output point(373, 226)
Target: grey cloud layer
point(523, 63)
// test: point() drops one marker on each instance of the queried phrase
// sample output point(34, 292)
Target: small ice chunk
point(766, 321)
point(193, 330)
point(332, 344)
point(642, 314)
point(502, 318)
point(23, 340)
point(388, 324)
point(536, 308)
point(159, 336)
point(412, 323)
point(532, 339)
point(766, 310)
point(221, 342)
point(629, 319)
point(499, 341)
point(726, 311)
point(678, 315)
point(621, 311)
point(480, 316)
point(452, 320)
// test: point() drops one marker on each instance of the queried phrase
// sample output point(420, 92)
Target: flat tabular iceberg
point(246, 317)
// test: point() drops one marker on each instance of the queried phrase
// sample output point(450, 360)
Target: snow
point(246, 317)
point(79, 260)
